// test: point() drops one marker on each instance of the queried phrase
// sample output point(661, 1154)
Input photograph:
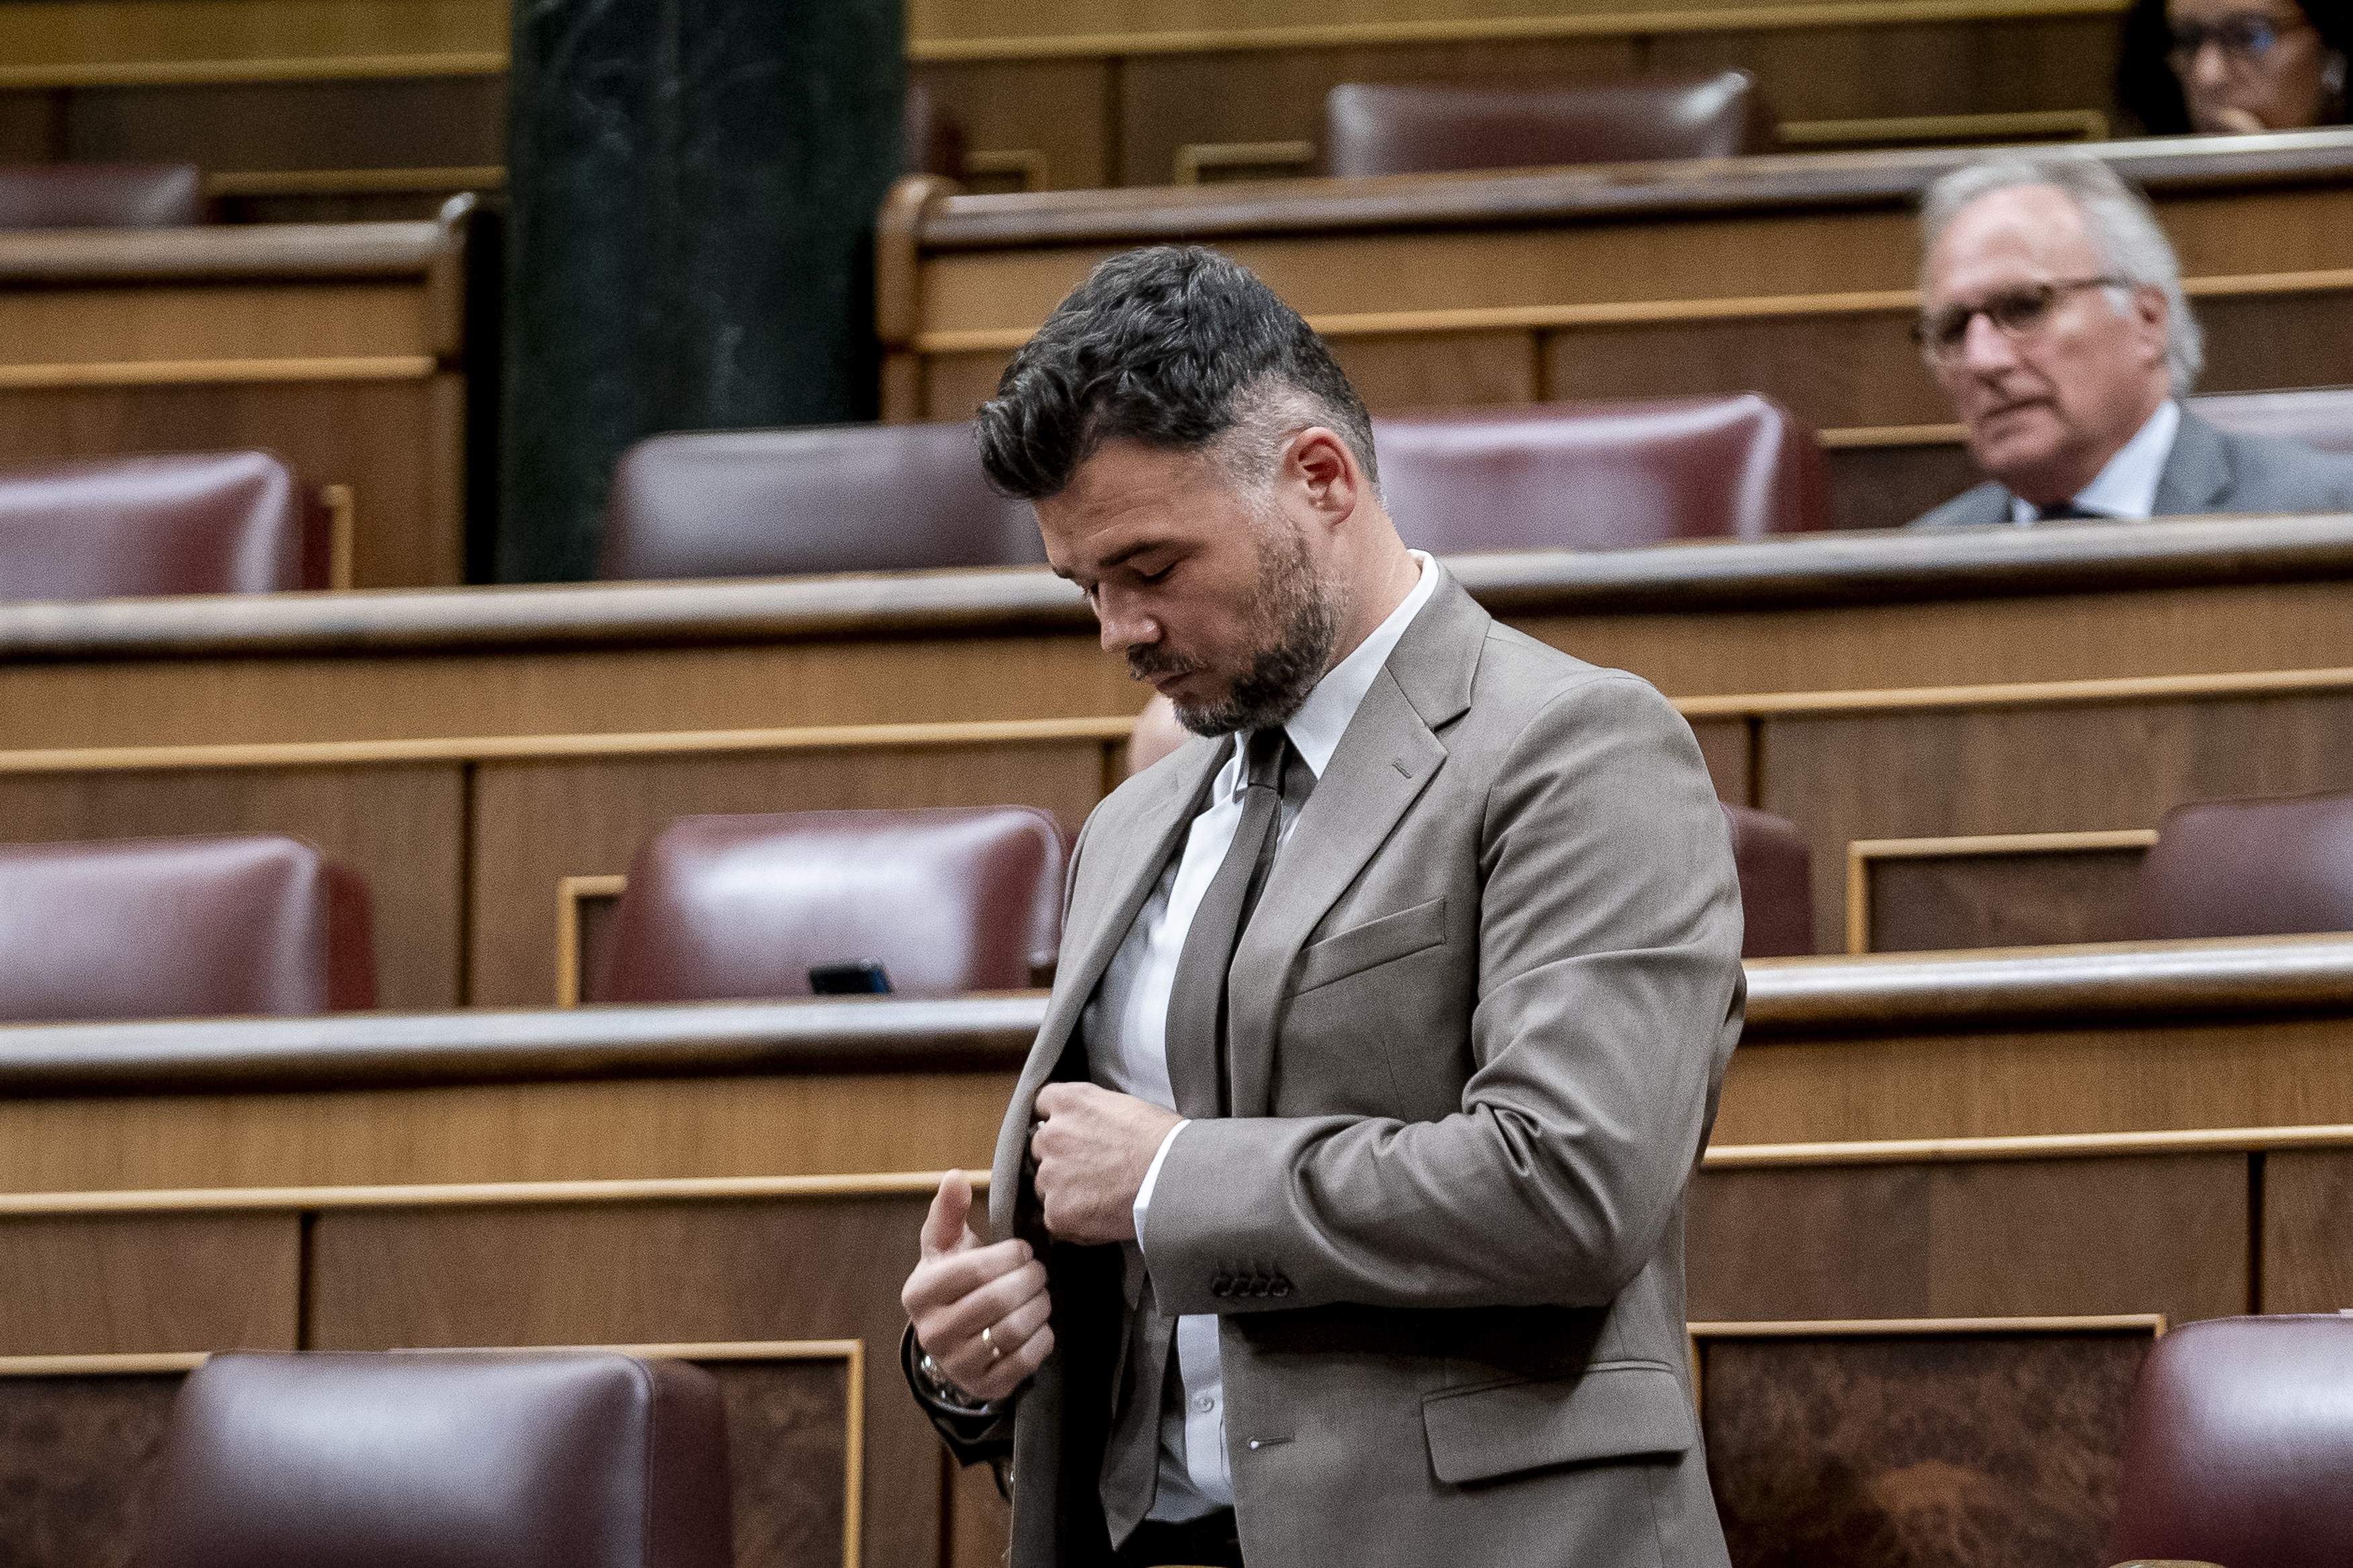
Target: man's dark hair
point(1172, 346)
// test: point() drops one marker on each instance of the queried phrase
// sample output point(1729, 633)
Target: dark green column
point(693, 186)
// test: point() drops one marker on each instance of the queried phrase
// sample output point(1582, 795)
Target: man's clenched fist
point(963, 1288)
point(1094, 1149)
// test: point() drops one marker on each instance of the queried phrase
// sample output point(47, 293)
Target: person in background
point(2223, 67)
point(2051, 312)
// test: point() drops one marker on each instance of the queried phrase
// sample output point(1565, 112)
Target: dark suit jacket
point(2210, 472)
point(1478, 1023)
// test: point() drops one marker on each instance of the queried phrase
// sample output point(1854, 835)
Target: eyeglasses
point(2244, 39)
point(1942, 334)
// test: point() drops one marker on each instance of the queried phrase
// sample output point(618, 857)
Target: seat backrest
point(443, 1459)
point(1595, 476)
point(949, 900)
point(2249, 868)
point(2238, 1447)
point(180, 928)
point(187, 522)
point(101, 196)
point(852, 498)
point(1776, 890)
point(931, 140)
point(1406, 128)
point(2320, 418)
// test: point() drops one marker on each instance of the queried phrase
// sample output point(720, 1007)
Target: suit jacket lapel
point(1386, 759)
point(2198, 476)
point(1136, 846)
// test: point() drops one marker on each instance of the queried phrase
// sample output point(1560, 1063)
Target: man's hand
point(963, 1288)
point(1092, 1149)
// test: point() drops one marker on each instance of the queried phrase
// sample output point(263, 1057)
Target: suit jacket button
point(1282, 1287)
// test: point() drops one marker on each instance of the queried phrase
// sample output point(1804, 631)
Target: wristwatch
point(936, 1384)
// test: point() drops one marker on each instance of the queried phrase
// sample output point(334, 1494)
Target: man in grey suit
point(1338, 1216)
point(2052, 313)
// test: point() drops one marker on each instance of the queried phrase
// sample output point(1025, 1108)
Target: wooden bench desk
point(468, 751)
point(1930, 1177)
point(339, 346)
point(1791, 276)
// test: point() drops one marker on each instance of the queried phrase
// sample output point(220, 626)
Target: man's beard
point(1295, 622)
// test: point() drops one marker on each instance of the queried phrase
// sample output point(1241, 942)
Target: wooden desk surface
point(2114, 1038)
point(468, 750)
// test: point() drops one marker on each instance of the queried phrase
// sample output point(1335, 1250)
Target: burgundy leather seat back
point(2249, 868)
point(189, 522)
point(1597, 476)
point(101, 196)
point(931, 140)
point(2239, 1449)
point(1407, 128)
point(852, 498)
point(949, 902)
point(2319, 417)
point(1777, 889)
point(443, 1459)
point(180, 928)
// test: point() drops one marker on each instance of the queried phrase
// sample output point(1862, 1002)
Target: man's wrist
point(1143, 1204)
point(939, 1386)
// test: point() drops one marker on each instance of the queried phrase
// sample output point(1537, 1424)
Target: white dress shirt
point(2127, 487)
point(1126, 1028)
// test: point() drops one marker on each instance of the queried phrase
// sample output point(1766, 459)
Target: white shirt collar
point(2127, 487)
point(1316, 729)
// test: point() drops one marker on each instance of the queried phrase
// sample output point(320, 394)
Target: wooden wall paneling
point(138, 1283)
point(399, 442)
point(1962, 65)
point(536, 822)
point(2259, 341)
point(2148, 1072)
point(1853, 1447)
point(793, 1425)
point(77, 1454)
point(1958, 770)
point(241, 39)
point(1833, 368)
point(1168, 100)
point(379, 123)
point(400, 827)
point(171, 322)
point(788, 1124)
point(1887, 485)
point(952, 386)
point(2308, 1230)
point(1441, 370)
point(2025, 895)
point(2164, 1234)
point(980, 1521)
point(653, 1273)
point(1725, 744)
point(1060, 110)
point(584, 934)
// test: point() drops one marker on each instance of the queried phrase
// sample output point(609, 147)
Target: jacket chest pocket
point(1370, 945)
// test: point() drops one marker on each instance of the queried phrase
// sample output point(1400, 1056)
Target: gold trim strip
point(1652, 312)
point(1195, 157)
point(570, 893)
point(478, 1194)
point(208, 73)
point(532, 748)
point(1720, 19)
point(357, 181)
point(2063, 124)
point(1861, 853)
point(2021, 694)
point(1029, 165)
point(109, 1364)
point(1799, 1328)
point(195, 372)
point(1878, 436)
point(2026, 1146)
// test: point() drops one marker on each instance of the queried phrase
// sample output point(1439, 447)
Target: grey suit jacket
point(2211, 472)
point(1479, 1020)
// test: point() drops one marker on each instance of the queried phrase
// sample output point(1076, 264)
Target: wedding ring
point(992, 1350)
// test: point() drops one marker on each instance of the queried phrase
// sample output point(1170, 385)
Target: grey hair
point(2123, 227)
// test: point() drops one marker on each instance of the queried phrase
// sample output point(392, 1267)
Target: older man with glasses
point(2052, 314)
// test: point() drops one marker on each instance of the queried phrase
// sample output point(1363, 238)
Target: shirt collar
point(2127, 487)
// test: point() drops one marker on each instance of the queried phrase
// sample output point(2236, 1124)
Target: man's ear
point(2154, 314)
point(1326, 471)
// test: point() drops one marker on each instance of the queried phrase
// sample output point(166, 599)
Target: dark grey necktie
point(1273, 771)
point(2065, 511)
